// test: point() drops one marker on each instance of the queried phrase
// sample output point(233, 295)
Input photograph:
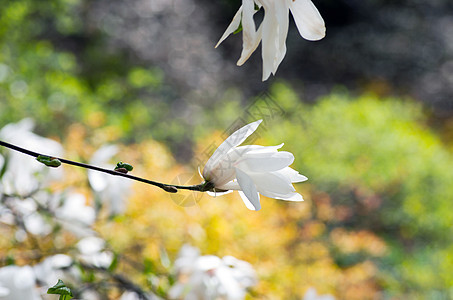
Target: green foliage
point(43, 75)
point(60, 289)
point(378, 158)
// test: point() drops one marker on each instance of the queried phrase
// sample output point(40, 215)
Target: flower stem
point(170, 188)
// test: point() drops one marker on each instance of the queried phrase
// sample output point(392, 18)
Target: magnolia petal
point(246, 201)
point(272, 182)
point(248, 187)
point(296, 197)
point(249, 34)
point(234, 25)
point(281, 13)
point(269, 39)
point(251, 47)
point(266, 161)
point(293, 175)
point(308, 19)
point(232, 185)
point(257, 149)
point(215, 194)
point(237, 138)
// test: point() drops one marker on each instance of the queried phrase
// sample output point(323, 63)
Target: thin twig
point(171, 188)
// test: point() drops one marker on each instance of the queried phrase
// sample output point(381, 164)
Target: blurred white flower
point(134, 296)
point(92, 251)
point(24, 174)
point(274, 29)
point(26, 210)
point(311, 294)
point(53, 268)
point(252, 170)
point(210, 277)
point(111, 189)
point(18, 283)
point(75, 215)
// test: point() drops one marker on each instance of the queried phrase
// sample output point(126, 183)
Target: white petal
point(266, 161)
point(232, 185)
point(282, 11)
point(237, 138)
point(246, 201)
point(272, 182)
point(248, 24)
point(216, 194)
point(259, 149)
point(248, 187)
point(232, 27)
point(296, 197)
point(293, 175)
point(308, 19)
point(252, 44)
point(269, 41)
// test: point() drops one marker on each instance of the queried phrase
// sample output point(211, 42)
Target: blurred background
point(367, 112)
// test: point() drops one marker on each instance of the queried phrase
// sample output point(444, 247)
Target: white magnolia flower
point(210, 277)
point(274, 29)
point(111, 189)
point(24, 174)
point(252, 170)
point(18, 283)
point(311, 294)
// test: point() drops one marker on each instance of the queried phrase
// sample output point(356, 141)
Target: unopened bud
point(121, 167)
point(49, 161)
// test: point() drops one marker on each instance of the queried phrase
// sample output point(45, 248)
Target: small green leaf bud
point(49, 161)
point(122, 165)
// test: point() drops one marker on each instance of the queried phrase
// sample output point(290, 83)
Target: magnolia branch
point(170, 188)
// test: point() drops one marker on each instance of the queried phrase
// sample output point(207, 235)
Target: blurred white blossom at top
point(24, 174)
point(112, 190)
point(273, 30)
point(210, 277)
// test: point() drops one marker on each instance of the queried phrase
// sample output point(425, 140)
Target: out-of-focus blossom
point(53, 268)
point(24, 174)
point(18, 283)
point(134, 296)
point(3, 292)
point(92, 251)
point(75, 215)
point(274, 29)
point(26, 212)
point(252, 170)
point(311, 294)
point(210, 277)
point(112, 190)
